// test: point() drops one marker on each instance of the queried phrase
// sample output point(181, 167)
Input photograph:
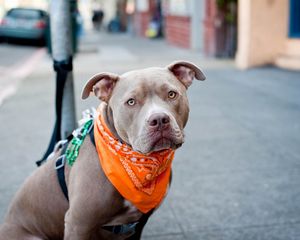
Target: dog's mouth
point(163, 144)
point(161, 140)
point(158, 140)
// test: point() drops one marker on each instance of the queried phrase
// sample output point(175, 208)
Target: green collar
point(78, 137)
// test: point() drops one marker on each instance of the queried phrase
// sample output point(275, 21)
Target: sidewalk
point(237, 175)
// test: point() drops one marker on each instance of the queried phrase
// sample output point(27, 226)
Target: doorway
point(294, 25)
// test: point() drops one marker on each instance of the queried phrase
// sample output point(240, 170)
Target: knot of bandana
point(141, 179)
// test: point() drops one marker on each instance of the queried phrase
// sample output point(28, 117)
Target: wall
point(183, 26)
point(140, 22)
point(178, 30)
point(262, 31)
point(210, 28)
point(197, 29)
point(142, 16)
point(178, 23)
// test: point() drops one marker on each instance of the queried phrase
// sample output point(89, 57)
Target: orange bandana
point(141, 179)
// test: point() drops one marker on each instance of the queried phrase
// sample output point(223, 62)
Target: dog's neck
point(109, 121)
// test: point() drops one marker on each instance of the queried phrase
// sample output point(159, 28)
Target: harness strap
point(60, 170)
point(92, 137)
point(61, 161)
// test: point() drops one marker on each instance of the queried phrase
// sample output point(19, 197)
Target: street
point(16, 62)
point(236, 176)
point(13, 53)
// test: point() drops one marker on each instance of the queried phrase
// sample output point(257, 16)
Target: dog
point(143, 112)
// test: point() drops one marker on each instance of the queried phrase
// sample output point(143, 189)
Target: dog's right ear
point(102, 84)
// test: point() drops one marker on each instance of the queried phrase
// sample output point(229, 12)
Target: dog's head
point(149, 107)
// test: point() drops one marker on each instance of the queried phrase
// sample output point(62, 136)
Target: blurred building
point(178, 21)
point(269, 33)
point(108, 7)
point(220, 28)
point(255, 32)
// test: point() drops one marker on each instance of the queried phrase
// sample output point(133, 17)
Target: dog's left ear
point(186, 72)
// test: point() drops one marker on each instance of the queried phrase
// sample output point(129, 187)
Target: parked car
point(24, 23)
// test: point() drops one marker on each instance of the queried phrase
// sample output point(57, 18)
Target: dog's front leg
point(77, 228)
point(93, 200)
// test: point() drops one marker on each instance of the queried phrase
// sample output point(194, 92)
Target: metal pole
point(61, 44)
point(61, 41)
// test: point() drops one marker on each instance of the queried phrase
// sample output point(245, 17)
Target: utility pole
point(62, 53)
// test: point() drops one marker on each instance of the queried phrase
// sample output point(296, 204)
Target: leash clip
point(60, 162)
point(122, 229)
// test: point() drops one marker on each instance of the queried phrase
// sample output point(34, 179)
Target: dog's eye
point(172, 94)
point(131, 102)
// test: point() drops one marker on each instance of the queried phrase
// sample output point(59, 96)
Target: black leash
point(62, 68)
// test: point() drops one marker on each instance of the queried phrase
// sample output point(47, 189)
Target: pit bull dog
point(121, 179)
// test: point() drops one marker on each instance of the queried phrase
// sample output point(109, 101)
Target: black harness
point(60, 170)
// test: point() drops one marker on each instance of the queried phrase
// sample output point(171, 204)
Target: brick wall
point(141, 22)
point(177, 30)
point(142, 19)
point(209, 28)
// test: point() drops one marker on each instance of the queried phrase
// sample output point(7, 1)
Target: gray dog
point(145, 110)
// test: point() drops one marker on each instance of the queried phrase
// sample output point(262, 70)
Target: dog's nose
point(159, 120)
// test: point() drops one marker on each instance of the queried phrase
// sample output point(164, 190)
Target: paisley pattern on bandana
point(141, 179)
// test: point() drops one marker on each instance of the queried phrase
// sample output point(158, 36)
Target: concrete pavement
point(16, 63)
point(237, 175)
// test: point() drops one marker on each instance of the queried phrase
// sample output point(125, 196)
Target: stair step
point(288, 61)
point(292, 47)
